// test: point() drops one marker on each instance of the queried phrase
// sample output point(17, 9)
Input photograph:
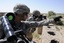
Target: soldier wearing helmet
point(21, 14)
point(35, 17)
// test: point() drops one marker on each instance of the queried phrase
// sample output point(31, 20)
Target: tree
point(51, 14)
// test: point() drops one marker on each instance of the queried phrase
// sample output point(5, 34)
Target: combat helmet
point(36, 13)
point(21, 8)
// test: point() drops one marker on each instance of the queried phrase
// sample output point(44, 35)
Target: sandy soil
point(57, 35)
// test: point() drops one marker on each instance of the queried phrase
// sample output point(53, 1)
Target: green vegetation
point(36, 35)
point(51, 14)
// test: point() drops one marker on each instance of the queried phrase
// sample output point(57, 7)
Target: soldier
point(21, 14)
point(36, 16)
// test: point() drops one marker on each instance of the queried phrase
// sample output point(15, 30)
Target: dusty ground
point(46, 37)
point(37, 37)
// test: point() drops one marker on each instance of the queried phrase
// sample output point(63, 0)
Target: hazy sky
point(42, 5)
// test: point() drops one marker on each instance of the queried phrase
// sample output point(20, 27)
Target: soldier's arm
point(33, 24)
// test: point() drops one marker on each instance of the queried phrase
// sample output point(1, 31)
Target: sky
point(42, 5)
